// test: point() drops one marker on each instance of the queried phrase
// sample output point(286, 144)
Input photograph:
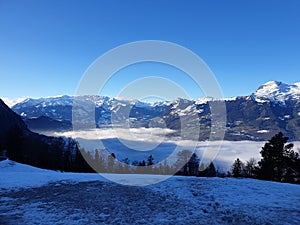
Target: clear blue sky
point(45, 46)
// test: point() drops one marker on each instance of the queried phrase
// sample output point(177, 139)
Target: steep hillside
point(9, 120)
point(22, 145)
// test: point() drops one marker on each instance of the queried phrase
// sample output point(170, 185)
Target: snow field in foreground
point(30, 195)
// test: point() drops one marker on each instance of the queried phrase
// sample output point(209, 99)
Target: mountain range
point(273, 107)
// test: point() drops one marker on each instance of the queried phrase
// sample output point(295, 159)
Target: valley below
point(139, 143)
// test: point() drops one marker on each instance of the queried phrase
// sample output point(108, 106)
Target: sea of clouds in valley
point(139, 143)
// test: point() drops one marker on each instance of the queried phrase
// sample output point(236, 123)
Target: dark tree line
point(192, 167)
point(53, 153)
point(187, 164)
point(56, 153)
point(279, 162)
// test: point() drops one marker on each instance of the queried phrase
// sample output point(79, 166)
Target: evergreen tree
point(67, 160)
point(160, 168)
point(150, 160)
point(97, 157)
point(291, 171)
point(141, 167)
point(182, 162)
point(126, 161)
point(249, 168)
point(142, 163)
point(126, 166)
point(237, 168)
point(135, 163)
point(165, 169)
point(209, 171)
point(279, 162)
point(111, 163)
point(193, 165)
point(14, 145)
point(98, 163)
point(56, 153)
point(79, 162)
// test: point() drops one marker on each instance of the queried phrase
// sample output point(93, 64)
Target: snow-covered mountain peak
point(45, 102)
point(183, 100)
point(203, 100)
point(182, 103)
point(275, 91)
point(297, 84)
point(12, 102)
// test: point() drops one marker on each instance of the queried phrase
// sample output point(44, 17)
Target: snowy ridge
point(12, 102)
point(65, 100)
point(279, 92)
point(273, 91)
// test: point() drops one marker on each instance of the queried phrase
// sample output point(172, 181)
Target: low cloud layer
point(139, 143)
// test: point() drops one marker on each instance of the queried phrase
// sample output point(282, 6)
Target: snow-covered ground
point(30, 195)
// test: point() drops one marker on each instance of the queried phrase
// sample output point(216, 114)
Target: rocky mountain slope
point(275, 106)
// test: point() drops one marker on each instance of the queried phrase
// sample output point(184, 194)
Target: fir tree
point(249, 168)
point(279, 162)
point(209, 171)
point(111, 162)
point(237, 168)
point(126, 166)
point(182, 162)
point(193, 165)
point(150, 160)
point(14, 144)
point(274, 162)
